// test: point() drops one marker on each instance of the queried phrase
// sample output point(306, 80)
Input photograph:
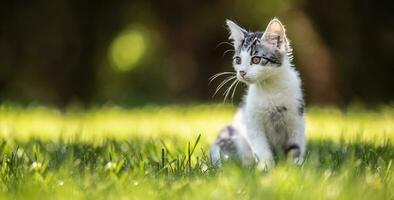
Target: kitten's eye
point(256, 60)
point(237, 60)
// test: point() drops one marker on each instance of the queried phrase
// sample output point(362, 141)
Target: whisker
point(218, 74)
point(224, 42)
point(223, 83)
point(231, 75)
point(227, 78)
point(227, 92)
point(235, 88)
point(229, 50)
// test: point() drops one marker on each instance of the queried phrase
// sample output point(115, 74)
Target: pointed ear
point(275, 34)
point(237, 34)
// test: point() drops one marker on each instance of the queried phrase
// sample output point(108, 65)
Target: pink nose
point(242, 73)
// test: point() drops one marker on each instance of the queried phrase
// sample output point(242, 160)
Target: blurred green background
point(60, 52)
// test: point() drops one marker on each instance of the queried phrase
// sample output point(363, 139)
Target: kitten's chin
point(247, 81)
point(250, 81)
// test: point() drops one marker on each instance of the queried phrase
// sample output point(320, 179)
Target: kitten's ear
point(275, 34)
point(237, 34)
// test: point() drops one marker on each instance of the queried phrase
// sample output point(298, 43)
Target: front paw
point(294, 152)
point(298, 160)
point(265, 165)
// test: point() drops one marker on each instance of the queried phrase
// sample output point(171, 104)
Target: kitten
point(271, 120)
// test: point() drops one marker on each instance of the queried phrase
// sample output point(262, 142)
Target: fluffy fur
point(271, 120)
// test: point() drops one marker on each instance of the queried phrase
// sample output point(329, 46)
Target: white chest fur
point(272, 107)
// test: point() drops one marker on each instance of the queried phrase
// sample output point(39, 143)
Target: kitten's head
point(259, 55)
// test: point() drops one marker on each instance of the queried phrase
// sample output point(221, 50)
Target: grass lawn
point(156, 153)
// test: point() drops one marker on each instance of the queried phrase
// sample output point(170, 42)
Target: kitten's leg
point(215, 155)
point(244, 151)
point(261, 150)
point(296, 144)
point(256, 139)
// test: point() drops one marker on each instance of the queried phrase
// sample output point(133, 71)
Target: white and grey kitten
point(271, 120)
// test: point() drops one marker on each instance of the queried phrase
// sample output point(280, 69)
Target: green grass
point(162, 153)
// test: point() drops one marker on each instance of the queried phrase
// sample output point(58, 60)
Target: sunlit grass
point(152, 152)
point(184, 122)
point(151, 121)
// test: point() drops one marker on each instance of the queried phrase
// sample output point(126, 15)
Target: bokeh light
point(127, 50)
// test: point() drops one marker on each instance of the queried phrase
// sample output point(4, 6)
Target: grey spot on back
point(301, 106)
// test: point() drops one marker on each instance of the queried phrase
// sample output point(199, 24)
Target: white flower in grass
point(36, 166)
point(60, 183)
point(204, 168)
point(110, 166)
point(135, 183)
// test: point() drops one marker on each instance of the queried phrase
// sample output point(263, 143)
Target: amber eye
point(256, 60)
point(237, 60)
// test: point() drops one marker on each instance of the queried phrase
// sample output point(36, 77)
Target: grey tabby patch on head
point(271, 122)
